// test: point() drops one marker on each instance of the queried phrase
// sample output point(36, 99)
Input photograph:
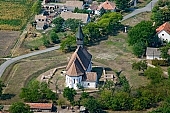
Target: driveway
point(148, 7)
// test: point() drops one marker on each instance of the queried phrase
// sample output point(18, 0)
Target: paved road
point(12, 60)
point(148, 7)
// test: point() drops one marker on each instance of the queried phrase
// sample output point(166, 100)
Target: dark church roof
point(79, 34)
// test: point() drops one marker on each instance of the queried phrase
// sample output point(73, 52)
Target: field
point(14, 14)
point(137, 19)
point(7, 41)
point(117, 56)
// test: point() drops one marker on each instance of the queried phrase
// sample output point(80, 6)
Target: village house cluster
point(65, 10)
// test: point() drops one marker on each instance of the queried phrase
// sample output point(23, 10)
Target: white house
point(164, 32)
point(78, 70)
point(41, 22)
point(153, 53)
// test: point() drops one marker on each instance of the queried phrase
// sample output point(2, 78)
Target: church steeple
point(80, 37)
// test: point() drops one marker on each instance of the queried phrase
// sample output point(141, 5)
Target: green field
point(14, 14)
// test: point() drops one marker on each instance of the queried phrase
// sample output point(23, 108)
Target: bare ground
point(7, 41)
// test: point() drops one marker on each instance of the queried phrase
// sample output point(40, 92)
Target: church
point(78, 70)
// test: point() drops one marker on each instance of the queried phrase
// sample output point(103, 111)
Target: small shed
point(153, 53)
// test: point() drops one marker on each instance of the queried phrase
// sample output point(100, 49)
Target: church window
point(88, 84)
point(74, 81)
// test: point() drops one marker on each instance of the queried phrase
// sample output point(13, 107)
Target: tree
point(1, 87)
point(91, 32)
point(141, 65)
point(154, 74)
point(37, 92)
point(58, 24)
point(138, 49)
point(72, 24)
point(109, 23)
point(91, 104)
point(142, 32)
point(54, 37)
point(46, 42)
point(19, 107)
point(36, 8)
point(122, 4)
point(69, 93)
point(67, 43)
point(161, 12)
point(121, 101)
point(169, 71)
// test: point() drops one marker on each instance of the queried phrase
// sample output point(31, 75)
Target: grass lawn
point(137, 19)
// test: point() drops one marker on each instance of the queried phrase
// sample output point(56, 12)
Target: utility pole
point(151, 5)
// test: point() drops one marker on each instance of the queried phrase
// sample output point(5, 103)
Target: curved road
point(148, 7)
point(12, 60)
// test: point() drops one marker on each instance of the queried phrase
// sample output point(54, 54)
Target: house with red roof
point(41, 107)
point(163, 32)
point(107, 5)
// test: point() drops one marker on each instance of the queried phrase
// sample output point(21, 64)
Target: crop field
point(7, 41)
point(14, 14)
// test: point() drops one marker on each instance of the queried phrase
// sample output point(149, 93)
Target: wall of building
point(72, 82)
point(163, 35)
point(151, 57)
point(87, 84)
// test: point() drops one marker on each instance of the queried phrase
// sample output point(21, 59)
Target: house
point(41, 107)
point(41, 22)
point(85, 18)
point(153, 53)
point(107, 5)
point(78, 70)
point(74, 4)
point(164, 32)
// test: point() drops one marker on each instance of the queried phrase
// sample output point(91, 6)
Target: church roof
point(78, 62)
point(79, 34)
point(91, 76)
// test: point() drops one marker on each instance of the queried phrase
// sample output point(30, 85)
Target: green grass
point(37, 42)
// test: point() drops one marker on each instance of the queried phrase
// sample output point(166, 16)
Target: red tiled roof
point(40, 105)
point(165, 27)
point(91, 76)
point(107, 5)
point(78, 62)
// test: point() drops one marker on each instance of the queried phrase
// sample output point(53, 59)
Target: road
point(148, 7)
point(12, 60)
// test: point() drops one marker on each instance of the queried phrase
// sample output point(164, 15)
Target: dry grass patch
point(137, 19)
point(19, 74)
point(7, 41)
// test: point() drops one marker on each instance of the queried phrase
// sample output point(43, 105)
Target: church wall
point(72, 82)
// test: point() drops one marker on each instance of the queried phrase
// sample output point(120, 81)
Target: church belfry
point(80, 37)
